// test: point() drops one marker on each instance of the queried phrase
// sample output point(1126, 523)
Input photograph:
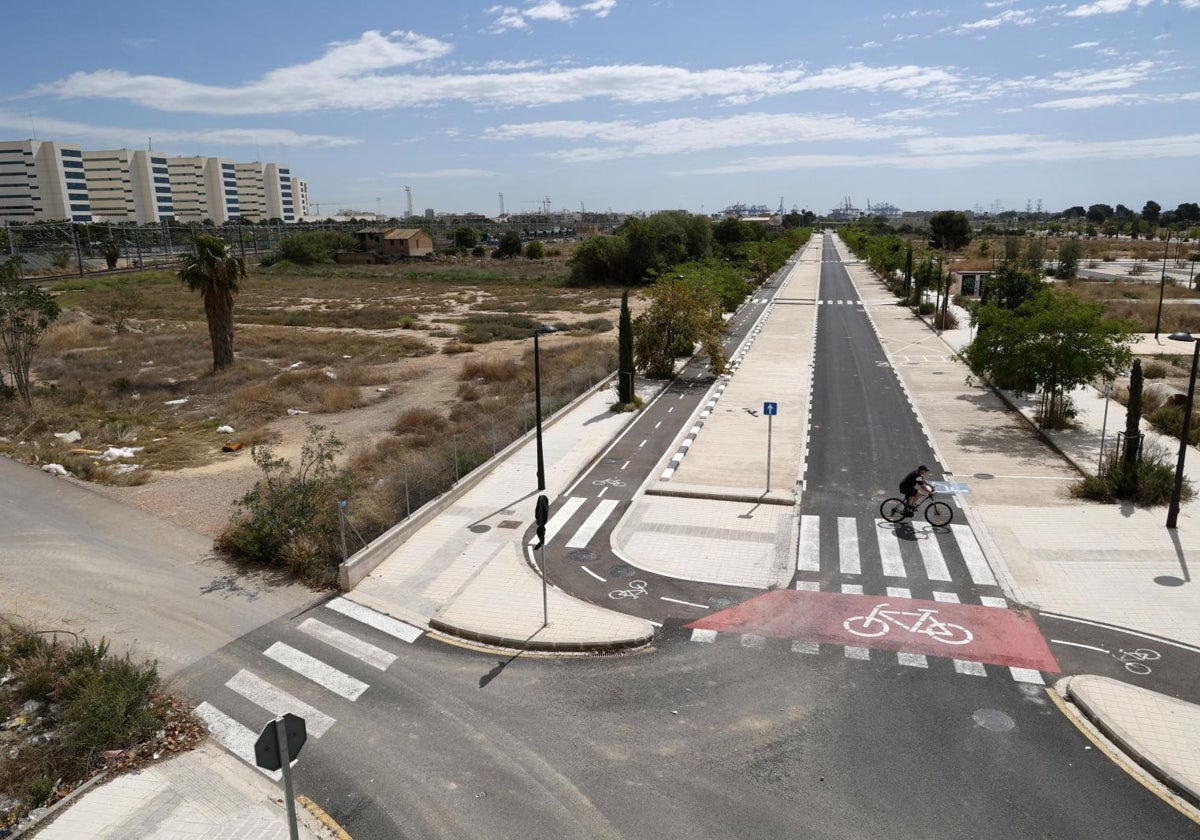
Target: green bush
point(1154, 370)
point(1169, 420)
point(1155, 482)
point(290, 517)
point(480, 329)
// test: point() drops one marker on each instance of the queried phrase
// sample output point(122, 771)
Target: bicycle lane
point(1083, 646)
point(985, 634)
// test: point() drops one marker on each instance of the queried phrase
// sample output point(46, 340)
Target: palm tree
point(215, 274)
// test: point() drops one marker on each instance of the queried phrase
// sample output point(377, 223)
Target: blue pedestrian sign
point(770, 409)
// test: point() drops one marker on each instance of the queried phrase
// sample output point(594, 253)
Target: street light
point(537, 400)
point(1173, 508)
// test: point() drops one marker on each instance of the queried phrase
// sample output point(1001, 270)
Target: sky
point(637, 105)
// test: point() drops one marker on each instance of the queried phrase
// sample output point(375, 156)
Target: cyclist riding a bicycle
point(914, 486)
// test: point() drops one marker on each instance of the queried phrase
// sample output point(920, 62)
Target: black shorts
point(908, 489)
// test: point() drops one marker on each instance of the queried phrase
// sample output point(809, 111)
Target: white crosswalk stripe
point(810, 544)
point(889, 551)
point(374, 656)
point(560, 518)
point(232, 735)
point(848, 546)
point(324, 675)
point(592, 524)
point(277, 701)
point(384, 623)
point(972, 554)
point(931, 556)
point(913, 660)
point(962, 666)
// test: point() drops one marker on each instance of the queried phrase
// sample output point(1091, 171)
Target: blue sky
point(637, 104)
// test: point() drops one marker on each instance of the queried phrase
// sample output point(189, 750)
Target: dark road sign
point(266, 748)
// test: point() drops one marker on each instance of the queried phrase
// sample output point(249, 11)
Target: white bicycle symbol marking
point(1134, 660)
point(637, 588)
point(612, 482)
point(880, 620)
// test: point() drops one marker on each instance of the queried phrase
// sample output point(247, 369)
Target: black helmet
point(922, 468)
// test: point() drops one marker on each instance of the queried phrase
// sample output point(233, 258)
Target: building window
point(77, 196)
point(73, 164)
point(84, 207)
point(71, 153)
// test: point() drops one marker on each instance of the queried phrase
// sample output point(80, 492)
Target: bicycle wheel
point(938, 514)
point(893, 510)
point(871, 627)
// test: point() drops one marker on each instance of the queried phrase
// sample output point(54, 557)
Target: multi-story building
point(48, 181)
point(300, 198)
point(43, 180)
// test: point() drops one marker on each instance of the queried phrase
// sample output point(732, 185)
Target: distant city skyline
point(634, 105)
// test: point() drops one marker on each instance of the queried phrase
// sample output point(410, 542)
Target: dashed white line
point(1078, 645)
point(593, 574)
point(685, 603)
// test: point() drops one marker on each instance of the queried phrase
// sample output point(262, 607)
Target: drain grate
point(610, 461)
point(622, 571)
point(510, 523)
point(479, 529)
point(721, 602)
point(983, 475)
point(582, 555)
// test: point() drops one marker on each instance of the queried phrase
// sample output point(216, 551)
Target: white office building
point(42, 180)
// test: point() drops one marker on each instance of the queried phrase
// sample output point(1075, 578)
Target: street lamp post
point(1173, 508)
point(537, 401)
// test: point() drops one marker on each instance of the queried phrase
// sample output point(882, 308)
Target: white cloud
point(625, 138)
point(350, 75)
point(988, 151)
point(1085, 45)
point(511, 17)
point(1107, 7)
point(1015, 17)
point(135, 138)
point(1079, 103)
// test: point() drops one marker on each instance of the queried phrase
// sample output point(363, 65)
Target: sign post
point(770, 409)
point(279, 743)
point(541, 515)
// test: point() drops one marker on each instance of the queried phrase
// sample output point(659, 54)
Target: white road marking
point(366, 652)
point(383, 623)
point(848, 546)
point(560, 517)
point(626, 464)
point(852, 589)
point(1027, 675)
point(962, 666)
point(809, 559)
point(977, 565)
point(643, 443)
point(912, 660)
point(899, 592)
point(1078, 645)
point(931, 555)
point(808, 585)
point(889, 551)
point(232, 736)
point(806, 647)
point(603, 490)
point(706, 636)
point(857, 652)
point(592, 524)
point(593, 574)
point(659, 423)
point(751, 640)
point(1161, 641)
point(992, 601)
point(277, 701)
point(327, 676)
point(685, 603)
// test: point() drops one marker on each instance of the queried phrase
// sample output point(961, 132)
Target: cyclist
point(913, 487)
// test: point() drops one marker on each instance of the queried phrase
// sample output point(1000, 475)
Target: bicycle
point(937, 514)
point(637, 588)
point(1134, 660)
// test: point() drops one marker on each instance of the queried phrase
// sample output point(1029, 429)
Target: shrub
point(290, 516)
point(1147, 483)
point(490, 370)
point(1154, 370)
point(1168, 419)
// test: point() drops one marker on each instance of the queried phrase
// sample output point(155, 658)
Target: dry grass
point(490, 370)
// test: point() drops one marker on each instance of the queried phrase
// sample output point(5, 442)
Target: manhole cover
point(582, 555)
point(510, 523)
point(984, 476)
point(622, 571)
point(479, 529)
point(993, 720)
point(610, 461)
point(721, 602)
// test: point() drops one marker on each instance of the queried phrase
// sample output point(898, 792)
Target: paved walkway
point(460, 568)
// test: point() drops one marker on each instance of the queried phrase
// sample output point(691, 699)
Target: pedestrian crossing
point(864, 556)
point(354, 637)
point(583, 533)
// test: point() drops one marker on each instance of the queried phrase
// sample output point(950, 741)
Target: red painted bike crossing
point(990, 635)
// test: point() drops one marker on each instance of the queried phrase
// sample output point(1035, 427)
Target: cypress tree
point(625, 353)
point(1133, 417)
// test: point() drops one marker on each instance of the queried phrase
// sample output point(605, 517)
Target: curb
point(323, 818)
point(608, 646)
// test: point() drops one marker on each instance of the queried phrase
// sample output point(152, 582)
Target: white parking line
point(326, 676)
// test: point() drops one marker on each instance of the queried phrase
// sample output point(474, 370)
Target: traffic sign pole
point(770, 409)
point(285, 764)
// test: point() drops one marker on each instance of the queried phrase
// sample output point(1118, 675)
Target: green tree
point(949, 230)
point(112, 253)
point(534, 250)
point(1011, 285)
point(1098, 214)
point(26, 312)
point(212, 272)
point(682, 314)
point(1069, 252)
point(465, 237)
point(600, 260)
point(1150, 213)
point(625, 354)
point(1050, 344)
point(510, 246)
point(1133, 429)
